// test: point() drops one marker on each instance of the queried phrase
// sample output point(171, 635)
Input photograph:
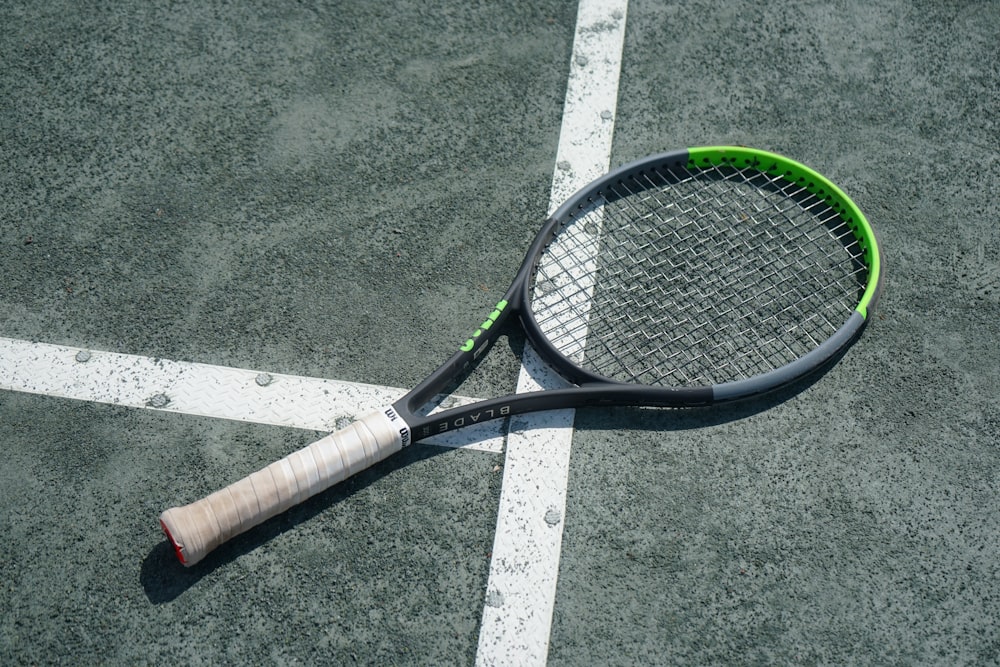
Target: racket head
point(698, 276)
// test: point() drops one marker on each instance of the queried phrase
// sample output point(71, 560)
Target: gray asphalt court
point(342, 190)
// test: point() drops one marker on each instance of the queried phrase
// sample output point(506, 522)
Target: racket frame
point(585, 388)
point(196, 529)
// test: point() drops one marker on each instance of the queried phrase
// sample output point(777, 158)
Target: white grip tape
point(200, 527)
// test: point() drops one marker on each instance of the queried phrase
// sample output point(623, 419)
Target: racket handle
point(198, 528)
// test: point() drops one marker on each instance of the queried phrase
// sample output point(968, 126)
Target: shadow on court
point(164, 578)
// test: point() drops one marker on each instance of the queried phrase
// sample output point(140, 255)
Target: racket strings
point(687, 277)
point(770, 290)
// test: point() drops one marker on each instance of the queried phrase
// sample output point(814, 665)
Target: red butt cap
point(177, 548)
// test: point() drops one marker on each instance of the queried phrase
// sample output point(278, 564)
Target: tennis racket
point(686, 278)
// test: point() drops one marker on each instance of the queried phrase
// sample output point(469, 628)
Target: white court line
point(209, 391)
point(520, 595)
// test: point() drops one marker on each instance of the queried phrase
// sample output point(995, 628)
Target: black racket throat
point(588, 394)
point(682, 279)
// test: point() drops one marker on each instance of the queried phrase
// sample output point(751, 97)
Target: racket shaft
point(198, 528)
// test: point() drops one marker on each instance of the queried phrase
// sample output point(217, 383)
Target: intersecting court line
point(210, 391)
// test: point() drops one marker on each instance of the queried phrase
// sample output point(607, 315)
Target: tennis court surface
point(229, 228)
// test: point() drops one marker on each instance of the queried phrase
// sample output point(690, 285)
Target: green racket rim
point(817, 184)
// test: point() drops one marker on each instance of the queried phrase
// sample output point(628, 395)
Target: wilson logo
point(404, 431)
point(484, 327)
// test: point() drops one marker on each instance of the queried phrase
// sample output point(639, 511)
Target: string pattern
point(687, 278)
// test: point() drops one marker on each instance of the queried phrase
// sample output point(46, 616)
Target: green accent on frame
point(777, 165)
point(471, 343)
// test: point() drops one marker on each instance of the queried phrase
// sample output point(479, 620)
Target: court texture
point(227, 228)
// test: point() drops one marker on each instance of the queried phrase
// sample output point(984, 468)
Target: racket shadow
point(689, 418)
point(163, 578)
point(684, 419)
